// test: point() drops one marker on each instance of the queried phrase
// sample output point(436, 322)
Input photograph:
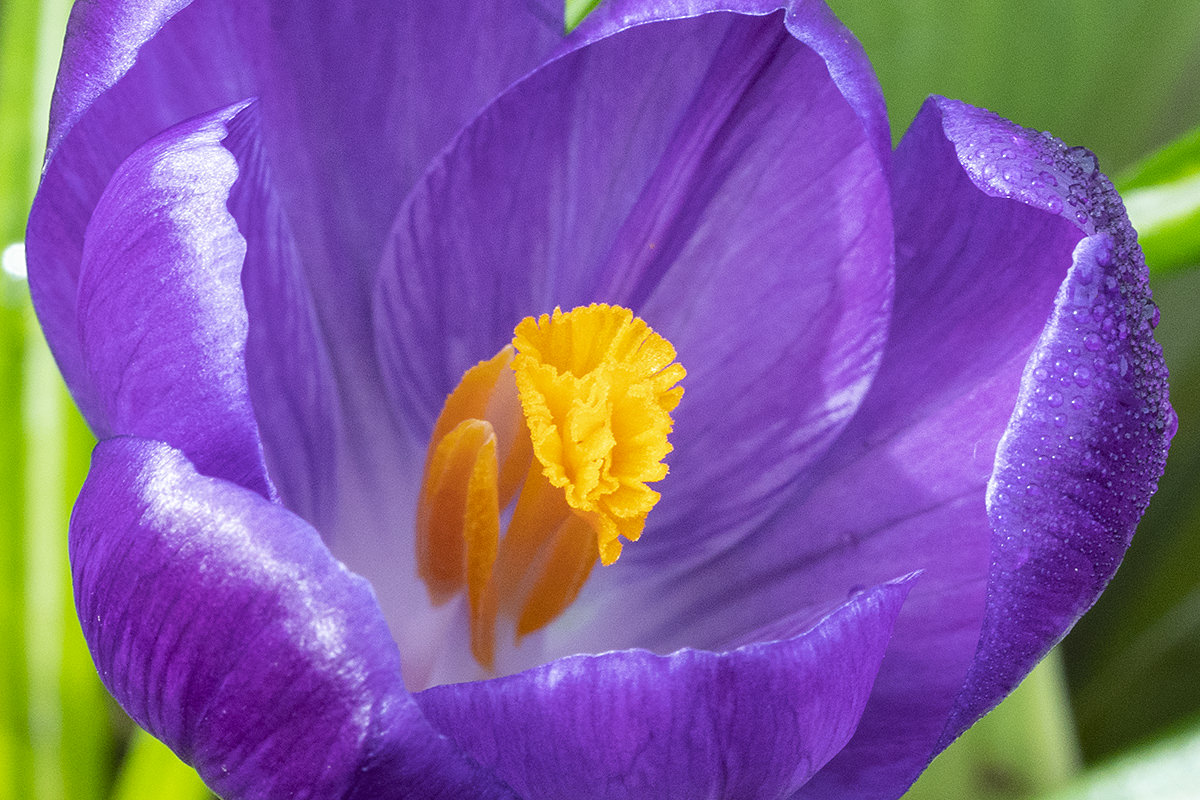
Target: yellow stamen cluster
point(567, 425)
point(598, 387)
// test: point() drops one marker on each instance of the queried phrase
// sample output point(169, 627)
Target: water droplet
point(1054, 399)
point(1078, 403)
point(1083, 158)
point(1041, 373)
point(1093, 342)
point(1083, 376)
point(1060, 420)
point(1054, 204)
point(1155, 314)
point(1049, 178)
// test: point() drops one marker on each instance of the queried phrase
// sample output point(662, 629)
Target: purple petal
point(355, 101)
point(904, 486)
point(1088, 440)
point(755, 722)
point(95, 127)
point(740, 158)
point(224, 627)
point(1054, 531)
point(289, 371)
point(810, 21)
point(101, 45)
point(162, 324)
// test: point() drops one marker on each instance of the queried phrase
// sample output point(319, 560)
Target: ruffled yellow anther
point(597, 386)
point(569, 429)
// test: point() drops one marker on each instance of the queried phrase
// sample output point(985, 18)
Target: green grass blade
point(15, 752)
point(1162, 196)
point(18, 45)
point(18, 56)
point(55, 738)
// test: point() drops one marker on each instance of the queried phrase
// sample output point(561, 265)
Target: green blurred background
point(1114, 713)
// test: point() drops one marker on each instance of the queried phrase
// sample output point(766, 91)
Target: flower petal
point(289, 370)
point(904, 487)
point(809, 21)
point(1088, 440)
point(344, 156)
point(94, 129)
point(356, 99)
point(102, 43)
point(741, 158)
point(162, 323)
point(755, 722)
point(224, 627)
point(999, 258)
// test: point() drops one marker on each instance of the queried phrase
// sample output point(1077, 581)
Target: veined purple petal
point(1055, 527)
point(737, 198)
point(809, 21)
point(101, 45)
point(1088, 439)
point(95, 127)
point(162, 324)
point(224, 627)
point(904, 486)
point(356, 99)
point(289, 371)
point(343, 156)
point(752, 723)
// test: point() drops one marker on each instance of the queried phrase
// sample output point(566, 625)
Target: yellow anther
point(459, 509)
point(573, 425)
point(597, 386)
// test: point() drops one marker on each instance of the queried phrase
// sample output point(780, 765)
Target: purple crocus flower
point(922, 414)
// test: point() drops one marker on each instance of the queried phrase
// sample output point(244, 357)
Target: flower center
point(559, 432)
